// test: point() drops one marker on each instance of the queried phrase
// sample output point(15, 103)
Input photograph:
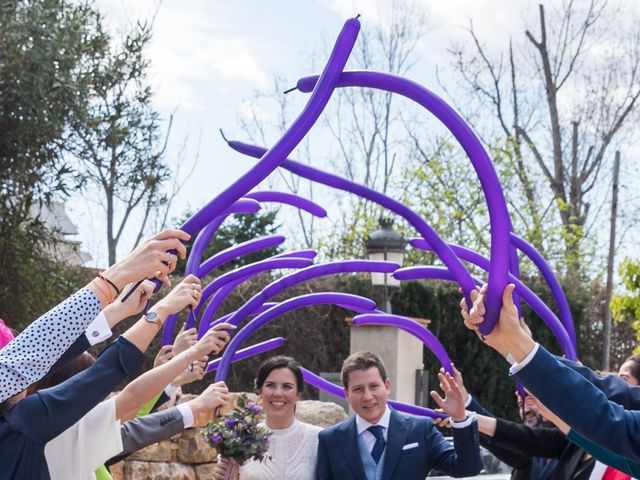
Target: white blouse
point(293, 452)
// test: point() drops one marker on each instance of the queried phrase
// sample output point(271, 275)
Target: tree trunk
point(606, 347)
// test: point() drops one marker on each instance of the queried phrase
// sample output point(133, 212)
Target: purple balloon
point(251, 351)
point(262, 308)
point(538, 306)
point(244, 205)
point(496, 203)
point(314, 271)
point(239, 250)
point(294, 134)
point(261, 266)
point(289, 199)
point(213, 262)
point(316, 175)
point(555, 287)
point(333, 389)
point(288, 305)
point(219, 296)
point(414, 328)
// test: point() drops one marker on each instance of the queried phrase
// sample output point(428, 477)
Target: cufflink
point(95, 333)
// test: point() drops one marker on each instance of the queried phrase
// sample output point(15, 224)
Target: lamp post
point(400, 351)
point(385, 244)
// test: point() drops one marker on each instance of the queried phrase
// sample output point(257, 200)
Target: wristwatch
point(153, 317)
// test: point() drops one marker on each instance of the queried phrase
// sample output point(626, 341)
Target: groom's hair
point(361, 361)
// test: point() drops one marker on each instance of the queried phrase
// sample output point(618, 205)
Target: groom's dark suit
point(414, 446)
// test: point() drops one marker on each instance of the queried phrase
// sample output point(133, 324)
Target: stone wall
point(187, 456)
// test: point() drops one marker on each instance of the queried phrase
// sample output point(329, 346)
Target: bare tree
point(562, 96)
point(120, 142)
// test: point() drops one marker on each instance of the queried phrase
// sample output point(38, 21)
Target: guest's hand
point(203, 406)
point(442, 422)
point(118, 311)
point(211, 342)
point(196, 371)
point(457, 376)
point(453, 402)
point(508, 335)
point(163, 356)
point(150, 259)
point(185, 339)
point(186, 294)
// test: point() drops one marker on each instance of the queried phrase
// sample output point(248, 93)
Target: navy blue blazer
point(614, 387)
point(339, 455)
point(37, 419)
point(582, 405)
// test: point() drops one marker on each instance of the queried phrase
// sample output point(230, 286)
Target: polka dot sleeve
point(32, 353)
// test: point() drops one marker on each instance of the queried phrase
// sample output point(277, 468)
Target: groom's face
point(367, 393)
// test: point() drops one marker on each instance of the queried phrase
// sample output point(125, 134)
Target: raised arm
point(32, 353)
point(141, 390)
point(573, 398)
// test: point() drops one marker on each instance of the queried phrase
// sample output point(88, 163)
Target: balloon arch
point(501, 266)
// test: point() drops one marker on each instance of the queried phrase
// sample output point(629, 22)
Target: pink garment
point(5, 334)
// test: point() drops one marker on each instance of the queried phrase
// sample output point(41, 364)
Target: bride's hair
point(275, 363)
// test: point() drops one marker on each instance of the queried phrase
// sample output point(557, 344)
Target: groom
point(380, 444)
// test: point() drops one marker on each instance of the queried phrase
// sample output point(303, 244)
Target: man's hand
point(203, 406)
point(508, 335)
point(453, 402)
point(457, 376)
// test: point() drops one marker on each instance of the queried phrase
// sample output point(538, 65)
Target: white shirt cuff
point(169, 390)
point(98, 330)
point(187, 415)
point(468, 401)
point(516, 367)
point(471, 417)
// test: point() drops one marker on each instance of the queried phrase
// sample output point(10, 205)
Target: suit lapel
point(396, 438)
point(348, 442)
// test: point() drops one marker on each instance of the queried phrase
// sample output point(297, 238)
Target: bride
point(292, 452)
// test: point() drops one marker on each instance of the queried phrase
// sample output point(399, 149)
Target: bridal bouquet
point(239, 436)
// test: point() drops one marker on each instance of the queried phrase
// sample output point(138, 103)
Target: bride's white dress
point(293, 453)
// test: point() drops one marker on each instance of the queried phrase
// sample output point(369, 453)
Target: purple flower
point(229, 422)
point(217, 438)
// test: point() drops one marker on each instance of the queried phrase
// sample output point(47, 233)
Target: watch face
point(152, 316)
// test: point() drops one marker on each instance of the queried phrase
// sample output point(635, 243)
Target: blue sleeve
point(31, 354)
point(78, 347)
point(614, 387)
point(47, 413)
point(461, 460)
point(580, 404)
point(476, 406)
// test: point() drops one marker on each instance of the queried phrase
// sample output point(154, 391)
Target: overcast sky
point(208, 56)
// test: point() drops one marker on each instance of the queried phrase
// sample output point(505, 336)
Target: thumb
point(507, 296)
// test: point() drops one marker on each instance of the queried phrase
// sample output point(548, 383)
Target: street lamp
point(385, 244)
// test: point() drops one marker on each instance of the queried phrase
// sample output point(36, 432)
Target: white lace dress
point(293, 453)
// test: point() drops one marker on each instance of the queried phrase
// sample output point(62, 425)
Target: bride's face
point(279, 395)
